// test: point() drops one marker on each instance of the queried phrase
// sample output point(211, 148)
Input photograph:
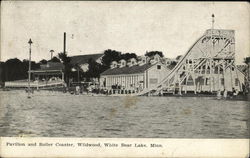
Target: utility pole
point(30, 42)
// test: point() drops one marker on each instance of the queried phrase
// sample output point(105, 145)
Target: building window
point(207, 81)
point(222, 81)
point(236, 82)
point(158, 67)
point(216, 70)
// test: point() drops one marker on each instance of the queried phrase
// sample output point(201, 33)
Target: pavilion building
point(133, 76)
point(50, 75)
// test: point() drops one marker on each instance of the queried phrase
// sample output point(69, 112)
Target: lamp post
point(30, 42)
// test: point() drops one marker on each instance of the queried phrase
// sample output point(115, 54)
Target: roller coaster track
point(209, 46)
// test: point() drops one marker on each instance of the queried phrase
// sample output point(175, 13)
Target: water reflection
point(53, 114)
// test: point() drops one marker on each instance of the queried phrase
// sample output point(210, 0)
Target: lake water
point(55, 114)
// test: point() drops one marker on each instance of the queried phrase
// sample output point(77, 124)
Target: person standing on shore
point(218, 94)
point(225, 93)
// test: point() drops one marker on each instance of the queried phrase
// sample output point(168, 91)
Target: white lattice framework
point(209, 57)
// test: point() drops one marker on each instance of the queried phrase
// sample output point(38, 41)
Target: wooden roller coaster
point(209, 65)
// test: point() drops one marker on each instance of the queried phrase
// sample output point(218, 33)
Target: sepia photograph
point(129, 69)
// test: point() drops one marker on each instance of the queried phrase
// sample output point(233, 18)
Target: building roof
point(52, 66)
point(83, 59)
point(49, 68)
point(127, 70)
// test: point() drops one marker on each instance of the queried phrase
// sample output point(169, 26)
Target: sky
point(135, 27)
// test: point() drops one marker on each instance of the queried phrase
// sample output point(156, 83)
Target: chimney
point(64, 42)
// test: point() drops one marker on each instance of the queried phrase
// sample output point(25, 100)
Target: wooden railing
point(24, 84)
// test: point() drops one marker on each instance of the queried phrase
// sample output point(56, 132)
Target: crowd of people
point(226, 94)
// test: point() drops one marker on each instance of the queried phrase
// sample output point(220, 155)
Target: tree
point(113, 55)
point(152, 53)
point(77, 73)
point(1, 73)
point(55, 59)
point(172, 65)
point(14, 70)
point(178, 57)
point(95, 69)
point(128, 56)
point(33, 64)
point(43, 61)
point(247, 60)
point(109, 56)
point(67, 65)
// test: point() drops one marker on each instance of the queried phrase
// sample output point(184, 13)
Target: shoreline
point(239, 97)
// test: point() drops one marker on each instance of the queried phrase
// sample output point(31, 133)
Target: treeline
point(95, 68)
point(113, 55)
point(15, 69)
